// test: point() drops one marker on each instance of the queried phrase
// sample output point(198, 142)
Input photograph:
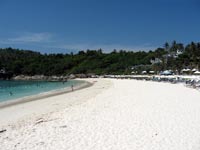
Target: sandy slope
point(112, 114)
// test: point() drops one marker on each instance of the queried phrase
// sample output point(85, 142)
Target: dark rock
point(4, 130)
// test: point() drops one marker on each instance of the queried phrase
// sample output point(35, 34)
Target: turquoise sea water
point(10, 90)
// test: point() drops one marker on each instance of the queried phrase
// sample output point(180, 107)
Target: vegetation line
point(174, 56)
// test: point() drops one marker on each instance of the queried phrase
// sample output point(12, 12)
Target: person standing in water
point(10, 93)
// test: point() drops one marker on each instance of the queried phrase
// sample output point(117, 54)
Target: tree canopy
point(95, 61)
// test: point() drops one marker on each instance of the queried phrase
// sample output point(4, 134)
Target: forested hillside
point(95, 61)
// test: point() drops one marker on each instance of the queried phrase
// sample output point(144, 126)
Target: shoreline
point(22, 113)
point(43, 95)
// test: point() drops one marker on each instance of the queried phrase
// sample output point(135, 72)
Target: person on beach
point(72, 87)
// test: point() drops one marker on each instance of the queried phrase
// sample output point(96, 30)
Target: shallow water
point(10, 90)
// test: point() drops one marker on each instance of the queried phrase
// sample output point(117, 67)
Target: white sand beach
point(110, 115)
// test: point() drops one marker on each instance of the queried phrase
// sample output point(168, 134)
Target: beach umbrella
point(151, 72)
point(185, 70)
point(166, 72)
point(194, 70)
point(144, 72)
point(197, 72)
point(133, 72)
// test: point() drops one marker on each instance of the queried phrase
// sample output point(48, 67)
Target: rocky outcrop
point(41, 77)
point(52, 78)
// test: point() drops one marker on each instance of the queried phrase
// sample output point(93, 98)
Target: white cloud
point(26, 38)
point(46, 40)
point(31, 37)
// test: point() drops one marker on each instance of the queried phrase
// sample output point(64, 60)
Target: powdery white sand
point(110, 115)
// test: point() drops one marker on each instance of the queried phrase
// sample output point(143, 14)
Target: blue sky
point(55, 26)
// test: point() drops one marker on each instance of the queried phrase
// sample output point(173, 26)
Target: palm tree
point(174, 46)
point(166, 46)
point(180, 47)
